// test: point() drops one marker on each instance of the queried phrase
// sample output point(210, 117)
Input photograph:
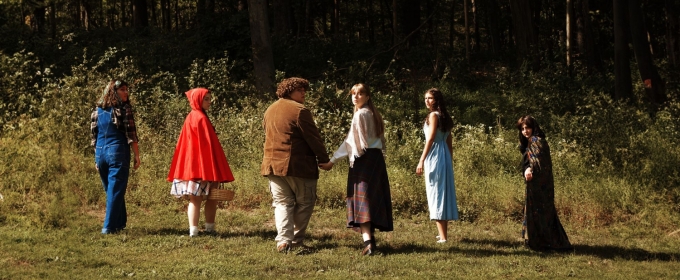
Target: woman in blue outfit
point(437, 165)
point(113, 133)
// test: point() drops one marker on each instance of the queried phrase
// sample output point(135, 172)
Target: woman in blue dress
point(437, 165)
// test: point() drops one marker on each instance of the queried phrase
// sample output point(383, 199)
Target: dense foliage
point(615, 159)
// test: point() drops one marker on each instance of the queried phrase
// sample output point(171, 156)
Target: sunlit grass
point(156, 244)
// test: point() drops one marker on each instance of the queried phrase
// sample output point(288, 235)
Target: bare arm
point(429, 140)
point(135, 149)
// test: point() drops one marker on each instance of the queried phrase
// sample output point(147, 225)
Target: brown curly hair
point(288, 86)
point(110, 97)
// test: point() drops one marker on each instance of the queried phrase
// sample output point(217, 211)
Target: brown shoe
point(283, 248)
point(368, 250)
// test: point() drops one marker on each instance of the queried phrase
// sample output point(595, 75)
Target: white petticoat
point(198, 188)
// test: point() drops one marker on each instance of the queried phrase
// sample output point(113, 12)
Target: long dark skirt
point(368, 193)
point(542, 229)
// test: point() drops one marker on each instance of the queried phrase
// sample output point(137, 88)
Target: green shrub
point(613, 162)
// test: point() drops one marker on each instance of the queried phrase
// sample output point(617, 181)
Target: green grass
point(156, 245)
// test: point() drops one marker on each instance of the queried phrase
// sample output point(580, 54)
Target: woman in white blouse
point(369, 203)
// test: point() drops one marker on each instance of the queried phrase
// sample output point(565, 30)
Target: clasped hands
point(326, 166)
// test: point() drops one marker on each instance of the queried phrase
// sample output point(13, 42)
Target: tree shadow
point(410, 248)
point(492, 242)
point(264, 234)
point(600, 251)
point(631, 254)
point(167, 231)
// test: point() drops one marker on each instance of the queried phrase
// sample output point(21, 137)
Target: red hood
point(195, 97)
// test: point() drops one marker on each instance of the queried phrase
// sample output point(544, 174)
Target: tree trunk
point(210, 7)
point(154, 15)
point(467, 32)
point(140, 14)
point(395, 31)
point(623, 84)
point(335, 19)
point(592, 60)
point(308, 17)
point(524, 30)
point(654, 85)
point(200, 12)
point(123, 13)
point(177, 22)
point(371, 23)
point(281, 17)
point(410, 19)
point(475, 26)
point(165, 15)
point(39, 19)
point(53, 20)
point(452, 21)
point(570, 36)
point(673, 32)
point(263, 57)
point(85, 14)
point(493, 14)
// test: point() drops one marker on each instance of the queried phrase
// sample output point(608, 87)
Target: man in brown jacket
point(292, 151)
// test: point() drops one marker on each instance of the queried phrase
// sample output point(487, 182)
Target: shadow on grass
point(168, 231)
point(407, 249)
point(632, 254)
point(603, 252)
point(264, 234)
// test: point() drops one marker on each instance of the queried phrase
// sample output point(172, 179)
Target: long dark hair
point(530, 122)
point(110, 97)
point(377, 118)
point(445, 122)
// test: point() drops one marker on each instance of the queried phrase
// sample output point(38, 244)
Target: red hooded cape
point(199, 154)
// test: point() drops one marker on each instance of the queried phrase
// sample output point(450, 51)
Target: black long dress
point(541, 228)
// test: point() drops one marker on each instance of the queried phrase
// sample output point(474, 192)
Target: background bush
point(614, 162)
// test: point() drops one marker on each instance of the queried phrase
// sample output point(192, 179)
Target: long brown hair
point(110, 97)
point(530, 122)
point(377, 118)
point(445, 121)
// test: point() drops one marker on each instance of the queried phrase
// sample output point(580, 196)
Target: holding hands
point(326, 166)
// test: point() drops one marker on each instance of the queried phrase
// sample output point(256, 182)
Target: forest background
point(601, 77)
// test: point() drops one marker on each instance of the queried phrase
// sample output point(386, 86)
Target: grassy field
point(156, 245)
point(616, 185)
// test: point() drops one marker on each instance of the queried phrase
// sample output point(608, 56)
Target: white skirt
point(197, 188)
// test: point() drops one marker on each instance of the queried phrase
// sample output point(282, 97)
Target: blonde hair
point(377, 118)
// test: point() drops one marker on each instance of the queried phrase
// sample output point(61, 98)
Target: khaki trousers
point(293, 202)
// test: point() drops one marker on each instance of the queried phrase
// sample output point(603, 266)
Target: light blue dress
point(439, 183)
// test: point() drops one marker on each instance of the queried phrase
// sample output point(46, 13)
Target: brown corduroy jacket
point(292, 145)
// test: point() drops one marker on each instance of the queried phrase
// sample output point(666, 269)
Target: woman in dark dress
point(541, 228)
point(369, 202)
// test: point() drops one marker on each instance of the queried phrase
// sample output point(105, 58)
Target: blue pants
point(114, 167)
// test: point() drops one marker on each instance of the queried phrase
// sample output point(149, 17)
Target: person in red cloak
point(199, 163)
